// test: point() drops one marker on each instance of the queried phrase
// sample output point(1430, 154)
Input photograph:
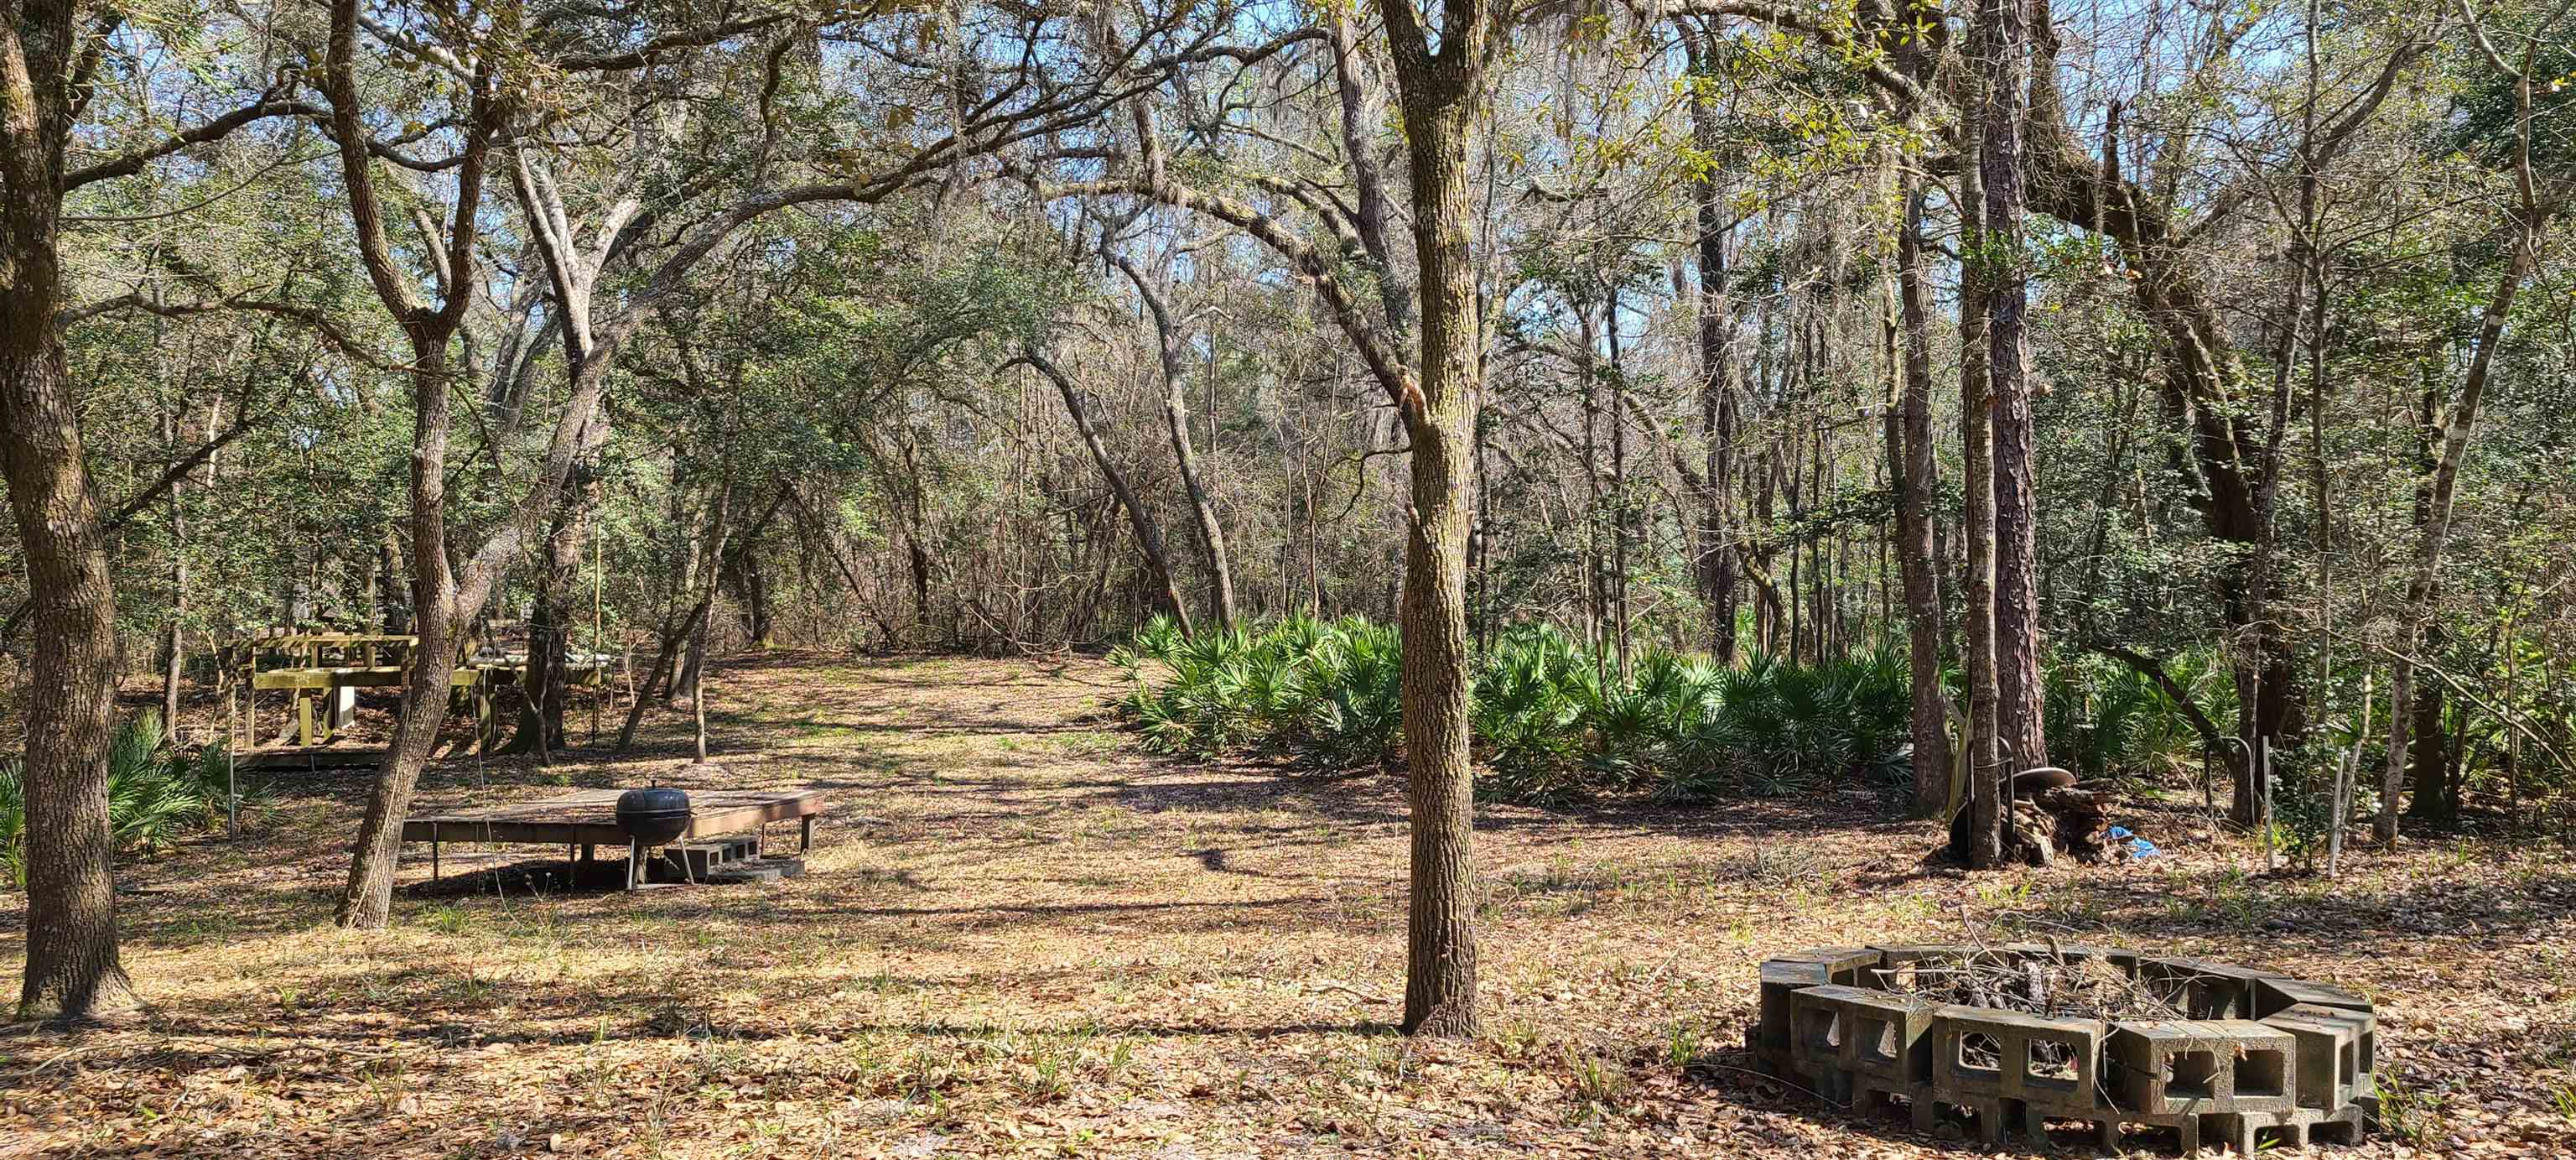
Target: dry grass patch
point(1020, 936)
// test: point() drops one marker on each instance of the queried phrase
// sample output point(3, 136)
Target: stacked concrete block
point(2337, 1068)
point(2042, 1069)
point(1864, 1046)
point(2299, 1071)
point(1783, 976)
point(2203, 1066)
point(1821, 1037)
point(1769, 1035)
point(2204, 990)
point(2277, 992)
point(1899, 962)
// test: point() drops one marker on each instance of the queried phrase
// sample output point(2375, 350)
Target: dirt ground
point(1021, 936)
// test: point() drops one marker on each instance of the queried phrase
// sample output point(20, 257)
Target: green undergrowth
point(1556, 722)
point(156, 795)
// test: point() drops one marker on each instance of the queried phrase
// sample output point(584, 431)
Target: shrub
point(1554, 722)
point(155, 795)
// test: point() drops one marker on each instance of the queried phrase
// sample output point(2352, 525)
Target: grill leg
point(804, 833)
point(634, 862)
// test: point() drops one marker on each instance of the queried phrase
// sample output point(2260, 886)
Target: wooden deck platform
point(589, 817)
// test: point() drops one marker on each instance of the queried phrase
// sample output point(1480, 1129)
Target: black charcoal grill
point(655, 815)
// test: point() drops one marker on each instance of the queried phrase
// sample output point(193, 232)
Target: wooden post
point(598, 628)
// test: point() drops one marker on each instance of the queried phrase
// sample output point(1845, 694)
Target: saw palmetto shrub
point(1553, 721)
point(156, 795)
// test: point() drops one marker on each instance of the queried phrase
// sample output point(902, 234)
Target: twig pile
point(2065, 986)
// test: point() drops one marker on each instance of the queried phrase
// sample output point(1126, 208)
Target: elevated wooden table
point(588, 818)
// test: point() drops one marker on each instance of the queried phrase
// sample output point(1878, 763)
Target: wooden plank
point(379, 677)
point(590, 816)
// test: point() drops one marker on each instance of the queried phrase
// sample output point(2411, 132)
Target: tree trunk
point(1714, 564)
point(701, 620)
point(174, 630)
point(1620, 515)
point(2436, 798)
point(2018, 724)
point(1176, 418)
point(438, 615)
point(550, 624)
point(2457, 429)
point(73, 973)
point(368, 902)
point(1986, 777)
point(1442, 96)
point(1910, 461)
point(1149, 535)
point(752, 586)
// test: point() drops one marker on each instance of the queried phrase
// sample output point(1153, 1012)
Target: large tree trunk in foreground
point(72, 972)
point(1443, 94)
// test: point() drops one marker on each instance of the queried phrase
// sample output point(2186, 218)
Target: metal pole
point(2271, 844)
point(598, 626)
point(232, 776)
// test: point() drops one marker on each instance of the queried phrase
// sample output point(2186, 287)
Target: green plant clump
point(156, 795)
point(1556, 722)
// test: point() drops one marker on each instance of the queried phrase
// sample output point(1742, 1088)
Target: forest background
point(654, 330)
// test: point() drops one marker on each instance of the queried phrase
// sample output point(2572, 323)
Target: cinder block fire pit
point(2019, 1036)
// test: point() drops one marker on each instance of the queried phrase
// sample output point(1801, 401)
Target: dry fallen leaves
point(1021, 937)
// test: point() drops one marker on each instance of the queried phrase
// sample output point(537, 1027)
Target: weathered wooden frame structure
point(324, 671)
point(587, 819)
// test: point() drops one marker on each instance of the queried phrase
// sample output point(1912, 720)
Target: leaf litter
point(1020, 936)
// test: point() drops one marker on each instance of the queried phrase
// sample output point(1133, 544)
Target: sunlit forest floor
point(1020, 936)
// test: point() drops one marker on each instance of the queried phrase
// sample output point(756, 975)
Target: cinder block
point(2336, 1053)
point(1952, 1024)
point(1848, 966)
point(1820, 1036)
point(2023, 1042)
point(1898, 962)
point(1780, 979)
point(2203, 990)
point(2278, 992)
point(2298, 1127)
point(1888, 1038)
point(1816, 966)
point(2203, 1066)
